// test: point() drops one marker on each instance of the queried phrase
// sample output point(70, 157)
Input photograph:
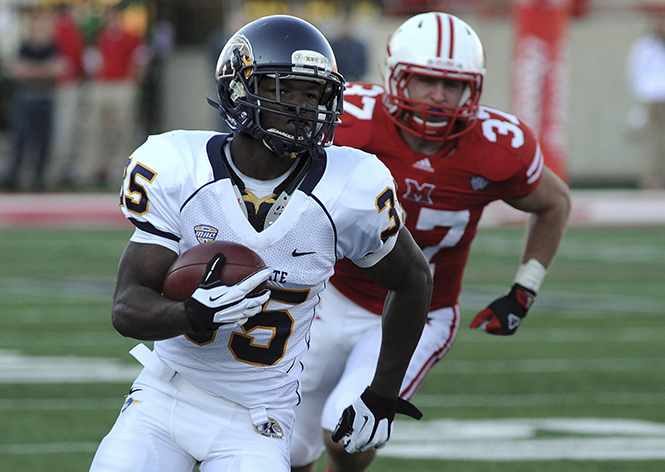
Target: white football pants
point(168, 424)
point(341, 361)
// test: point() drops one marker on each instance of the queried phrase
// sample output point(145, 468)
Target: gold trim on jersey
point(249, 197)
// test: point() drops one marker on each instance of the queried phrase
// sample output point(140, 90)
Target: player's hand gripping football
point(367, 423)
point(214, 305)
point(504, 315)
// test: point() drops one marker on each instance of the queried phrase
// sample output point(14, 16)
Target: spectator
point(8, 24)
point(35, 70)
point(115, 65)
point(162, 43)
point(350, 52)
point(646, 80)
point(70, 43)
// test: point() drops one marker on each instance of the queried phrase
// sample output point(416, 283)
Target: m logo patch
point(418, 193)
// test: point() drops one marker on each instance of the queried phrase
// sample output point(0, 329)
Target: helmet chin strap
point(317, 152)
point(266, 143)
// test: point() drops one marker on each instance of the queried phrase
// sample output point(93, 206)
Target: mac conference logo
point(205, 233)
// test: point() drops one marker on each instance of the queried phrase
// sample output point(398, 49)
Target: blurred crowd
point(75, 94)
point(81, 87)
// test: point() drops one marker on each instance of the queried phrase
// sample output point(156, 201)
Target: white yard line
point(18, 368)
point(526, 439)
point(510, 439)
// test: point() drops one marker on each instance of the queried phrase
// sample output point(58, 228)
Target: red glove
point(504, 315)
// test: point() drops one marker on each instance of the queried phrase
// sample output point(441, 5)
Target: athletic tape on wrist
point(531, 275)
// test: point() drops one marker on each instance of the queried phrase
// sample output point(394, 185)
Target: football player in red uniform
point(451, 157)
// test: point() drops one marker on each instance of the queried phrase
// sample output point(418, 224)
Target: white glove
point(214, 305)
point(367, 423)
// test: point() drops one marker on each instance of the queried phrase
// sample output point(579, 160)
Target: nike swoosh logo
point(366, 418)
point(295, 253)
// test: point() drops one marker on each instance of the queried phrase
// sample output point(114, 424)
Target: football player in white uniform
point(219, 388)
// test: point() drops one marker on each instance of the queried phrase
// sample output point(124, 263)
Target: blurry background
point(600, 123)
point(580, 388)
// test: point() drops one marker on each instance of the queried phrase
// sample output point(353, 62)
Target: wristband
point(531, 275)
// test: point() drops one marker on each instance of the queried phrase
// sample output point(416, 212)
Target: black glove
point(214, 305)
point(504, 315)
point(367, 423)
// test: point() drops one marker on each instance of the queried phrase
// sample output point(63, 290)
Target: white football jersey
point(177, 192)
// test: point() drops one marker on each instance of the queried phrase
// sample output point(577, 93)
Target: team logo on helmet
point(237, 54)
point(478, 183)
point(205, 233)
point(271, 429)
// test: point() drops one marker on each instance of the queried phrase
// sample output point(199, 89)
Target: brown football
point(187, 271)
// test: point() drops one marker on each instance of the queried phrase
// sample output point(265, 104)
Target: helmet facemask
point(312, 126)
point(427, 120)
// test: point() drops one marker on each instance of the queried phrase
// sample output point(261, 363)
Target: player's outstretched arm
point(549, 208)
point(366, 424)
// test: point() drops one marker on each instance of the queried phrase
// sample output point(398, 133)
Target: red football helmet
point(434, 45)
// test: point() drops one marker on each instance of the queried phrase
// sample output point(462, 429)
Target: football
point(187, 271)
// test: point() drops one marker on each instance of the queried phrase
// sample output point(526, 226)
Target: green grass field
point(580, 387)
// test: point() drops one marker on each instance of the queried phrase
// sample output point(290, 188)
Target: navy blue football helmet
point(279, 47)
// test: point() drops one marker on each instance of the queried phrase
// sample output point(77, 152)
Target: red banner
point(540, 81)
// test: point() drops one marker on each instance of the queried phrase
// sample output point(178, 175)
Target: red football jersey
point(443, 196)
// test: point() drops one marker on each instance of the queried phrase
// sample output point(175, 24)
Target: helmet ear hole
point(236, 92)
point(281, 47)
